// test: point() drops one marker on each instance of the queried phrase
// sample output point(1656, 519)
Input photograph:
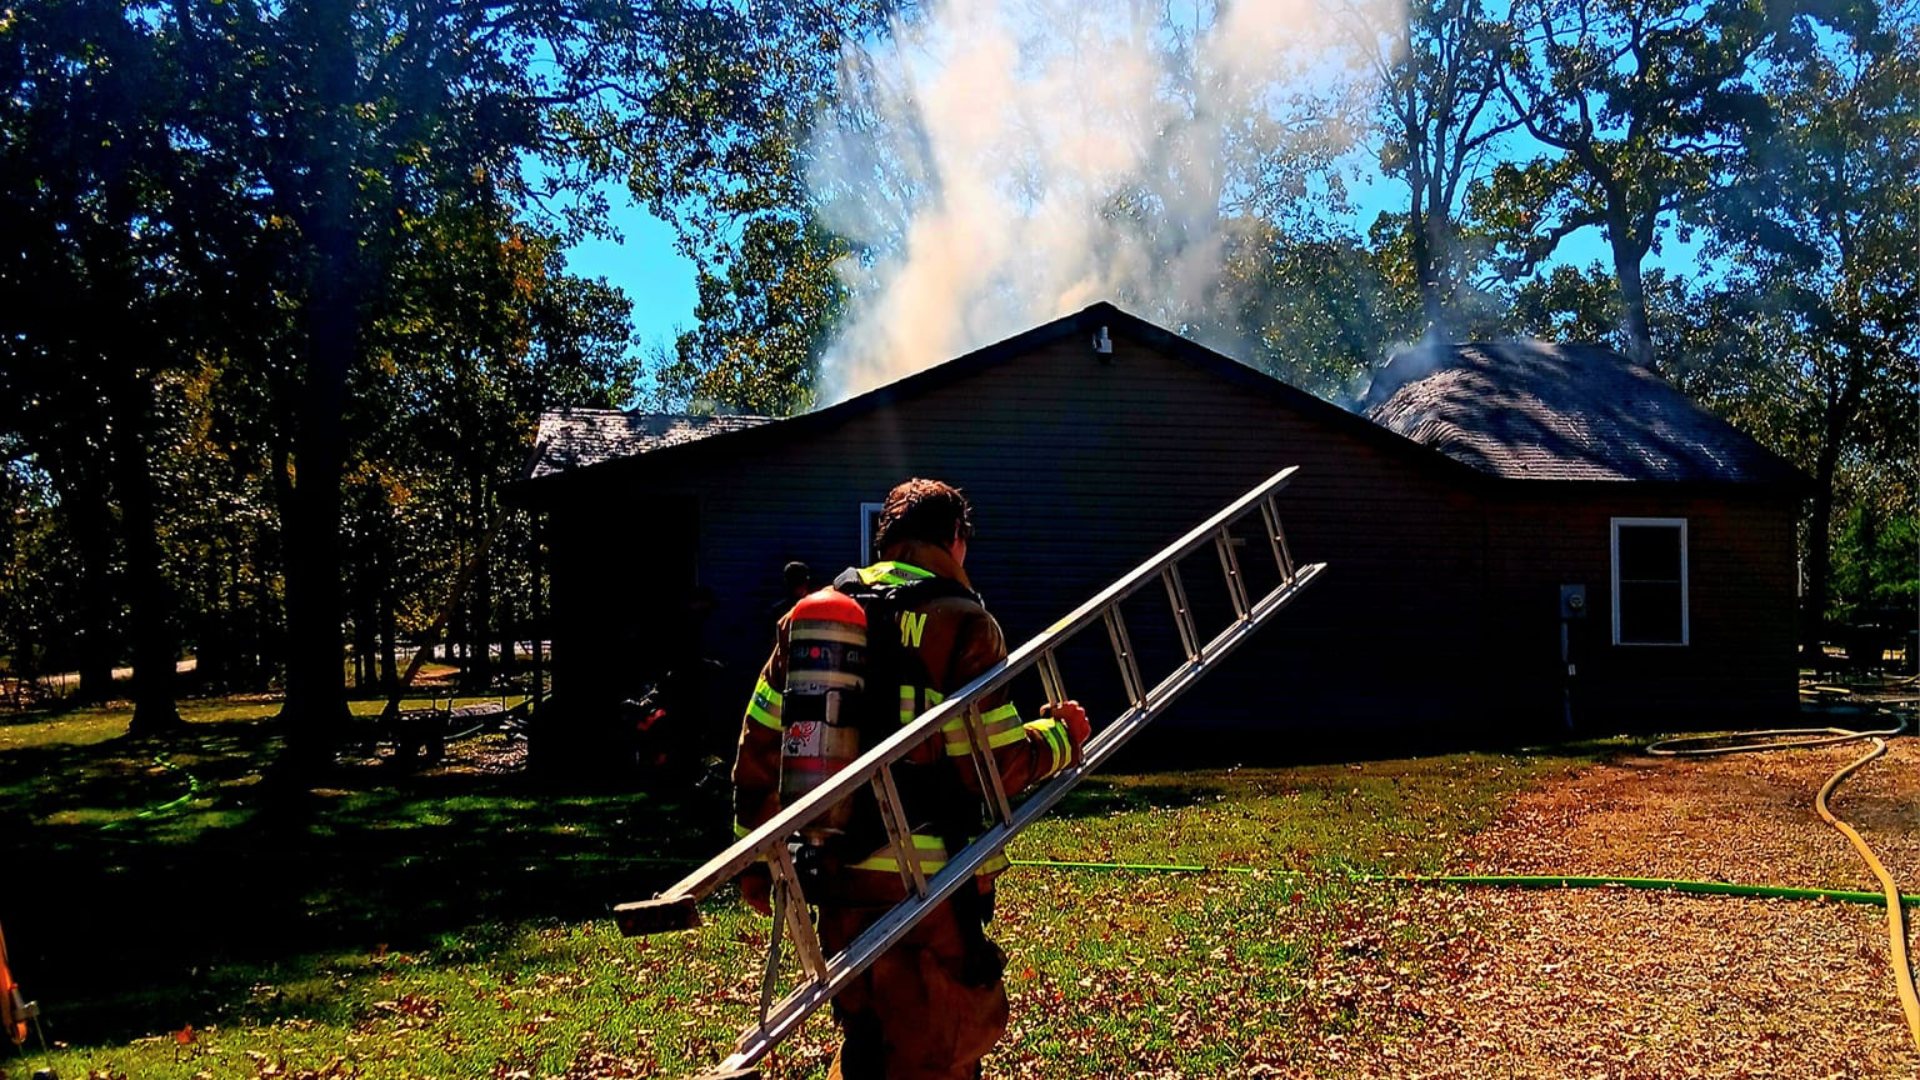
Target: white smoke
point(999, 163)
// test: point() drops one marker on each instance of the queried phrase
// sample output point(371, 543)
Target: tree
point(347, 118)
point(764, 315)
point(725, 136)
point(102, 201)
point(1441, 118)
point(1823, 225)
point(479, 331)
point(1318, 309)
point(1643, 106)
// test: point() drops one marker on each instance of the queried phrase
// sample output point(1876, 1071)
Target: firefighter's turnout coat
point(949, 640)
point(926, 1009)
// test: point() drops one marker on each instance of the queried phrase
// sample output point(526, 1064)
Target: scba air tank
point(820, 712)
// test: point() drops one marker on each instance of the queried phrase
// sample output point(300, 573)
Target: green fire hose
point(1694, 746)
point(1510, 881)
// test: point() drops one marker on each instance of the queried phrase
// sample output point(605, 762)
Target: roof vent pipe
point(1103, 346)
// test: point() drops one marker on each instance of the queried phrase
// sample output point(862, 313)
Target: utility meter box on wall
point(1573, 601)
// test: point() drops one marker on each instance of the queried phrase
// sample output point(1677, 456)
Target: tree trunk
point(1835, 427)
point(212, 626)
point(365, 638)
point(94, 646)
point(389, 625)
point(316, 702)
point(148, 611)
point(482, 639)
point(1628, 252)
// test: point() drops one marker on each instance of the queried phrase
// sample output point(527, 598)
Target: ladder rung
point(1277, 539)
point(899, 831)
point(806, 944)
point(1230, 566)
point(1123, 652)
point(988, 768)
point(1182, 613)
point(770, 974)
point(1051, 684)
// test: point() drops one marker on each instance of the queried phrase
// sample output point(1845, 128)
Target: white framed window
point(869, 528)
point(1650, 581)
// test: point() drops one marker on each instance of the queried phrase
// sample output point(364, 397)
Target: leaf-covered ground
point(1277, 963)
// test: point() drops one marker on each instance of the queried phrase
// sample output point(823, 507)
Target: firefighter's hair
point(925, 510)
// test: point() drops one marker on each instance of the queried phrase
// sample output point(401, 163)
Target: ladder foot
point(656, 916)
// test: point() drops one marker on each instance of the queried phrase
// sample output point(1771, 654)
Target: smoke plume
point(998, 163)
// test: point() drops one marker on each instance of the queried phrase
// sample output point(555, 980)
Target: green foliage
point(233, 221)
point(720, 152)
point(1822, 226)
point(1877, 569)
point(1316, 311)
point(763, 325)
point(1641, 106)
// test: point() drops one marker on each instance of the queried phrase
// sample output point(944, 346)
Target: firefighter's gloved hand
point(1075, 718)
point(756, 888)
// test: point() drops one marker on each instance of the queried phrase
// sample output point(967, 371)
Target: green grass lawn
point(453, 925)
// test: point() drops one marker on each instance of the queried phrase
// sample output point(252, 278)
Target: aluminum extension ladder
point(822, 976)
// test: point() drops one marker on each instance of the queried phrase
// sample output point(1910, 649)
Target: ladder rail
point(751, 848)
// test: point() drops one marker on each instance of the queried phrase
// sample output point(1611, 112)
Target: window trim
point(869, 514)
point(1686, 600)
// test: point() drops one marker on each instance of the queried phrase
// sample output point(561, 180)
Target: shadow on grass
point(124, 924)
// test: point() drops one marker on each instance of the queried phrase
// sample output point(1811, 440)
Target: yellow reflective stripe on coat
point(765, 706)
point(1002, 727)
point(910, 702)
point(929, 851)
point(1059, 746)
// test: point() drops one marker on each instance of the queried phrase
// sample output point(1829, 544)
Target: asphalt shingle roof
point(571, 438)
point(1529, 410)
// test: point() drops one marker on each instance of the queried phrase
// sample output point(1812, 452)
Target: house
point(1517, 534)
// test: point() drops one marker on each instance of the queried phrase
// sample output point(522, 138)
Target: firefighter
point(934, 1004)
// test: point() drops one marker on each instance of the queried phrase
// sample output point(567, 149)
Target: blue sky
point(645, 266)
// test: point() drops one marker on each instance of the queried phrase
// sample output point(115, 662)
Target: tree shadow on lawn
point(124, 925)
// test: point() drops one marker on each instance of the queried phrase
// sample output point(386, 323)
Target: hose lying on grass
point(1513, 881)
point(1782, 738)
point(193, 789)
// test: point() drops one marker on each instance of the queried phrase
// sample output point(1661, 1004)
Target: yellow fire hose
point(1805, 737)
